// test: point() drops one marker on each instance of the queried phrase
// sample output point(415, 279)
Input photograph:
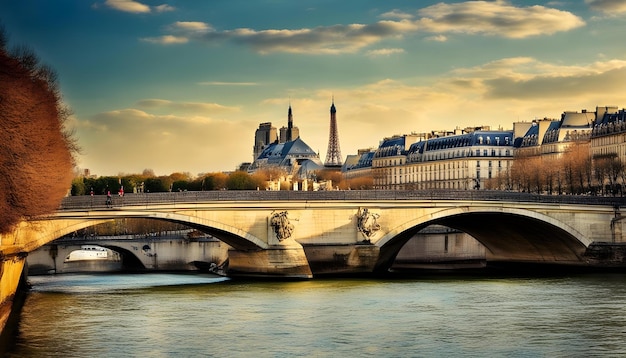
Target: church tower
point(333, 155)
point(289, 125)
point(289, 133)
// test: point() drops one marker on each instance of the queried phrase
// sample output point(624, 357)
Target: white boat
point(92, 258)
point(91, 252)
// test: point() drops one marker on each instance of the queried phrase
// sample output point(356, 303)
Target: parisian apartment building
point(466, 159)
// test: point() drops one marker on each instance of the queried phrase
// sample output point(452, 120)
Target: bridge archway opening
point(231, 236)
point(509, 238)
point(130, 261)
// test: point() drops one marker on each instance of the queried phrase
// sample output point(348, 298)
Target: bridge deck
point(99, 201)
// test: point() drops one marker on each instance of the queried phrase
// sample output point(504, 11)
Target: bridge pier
point(345, 259)
point(276, 261)
point(303, 262)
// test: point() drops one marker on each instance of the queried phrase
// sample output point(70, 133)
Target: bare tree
point(36, 151)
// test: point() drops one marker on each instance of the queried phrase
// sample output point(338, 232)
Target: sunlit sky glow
point(181, 86)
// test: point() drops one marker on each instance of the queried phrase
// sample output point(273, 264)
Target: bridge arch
point(230, 235)
point(508, 234)
point(72, 226)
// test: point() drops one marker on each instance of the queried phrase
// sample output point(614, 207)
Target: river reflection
point(170, 315)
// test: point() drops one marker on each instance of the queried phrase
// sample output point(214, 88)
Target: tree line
point(148, 182)
point(574, 172)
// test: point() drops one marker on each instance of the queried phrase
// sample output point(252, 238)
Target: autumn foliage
point(36, 153)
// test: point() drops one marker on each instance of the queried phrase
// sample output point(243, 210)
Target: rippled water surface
point(172, 315)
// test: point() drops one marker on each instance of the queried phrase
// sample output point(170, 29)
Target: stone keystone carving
point(281, 225)
point(366, 223)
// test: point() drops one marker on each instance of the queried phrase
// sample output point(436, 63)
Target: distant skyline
point(181, 86)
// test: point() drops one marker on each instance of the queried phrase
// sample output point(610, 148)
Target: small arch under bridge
point(303, 234)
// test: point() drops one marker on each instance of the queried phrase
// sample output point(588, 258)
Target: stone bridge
point(303, 234)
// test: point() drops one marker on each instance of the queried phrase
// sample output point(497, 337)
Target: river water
point(195, 315)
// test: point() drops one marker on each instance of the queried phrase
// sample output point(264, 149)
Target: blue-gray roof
point(286, 155)
point(276, 152)
point(365, 161)
point(477, 138)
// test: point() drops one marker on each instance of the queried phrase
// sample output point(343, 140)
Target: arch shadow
point(508, 234)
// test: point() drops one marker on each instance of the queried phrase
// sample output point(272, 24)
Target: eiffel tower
point(333, 155)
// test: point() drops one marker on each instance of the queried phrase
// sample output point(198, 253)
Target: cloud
point(127, 6)
point(498, 18)
point(437, 38)
point(191, 26)
point(525, 78)
point(334, 39)
point(320, 40)
point(384, 52)
point(608, 6)
point(194, 107)
point(136, 7)
point(396, 14)
point(560, 82)
point(183, 32)
point(164, 8)
point(166, 40)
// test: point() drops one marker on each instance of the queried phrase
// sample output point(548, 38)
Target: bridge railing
point(146, 199)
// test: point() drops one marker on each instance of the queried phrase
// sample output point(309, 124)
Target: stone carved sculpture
point(366, 223)
point(281, 225)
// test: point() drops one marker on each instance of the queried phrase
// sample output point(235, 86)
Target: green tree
point(78, 186)
point(157, 185)
point(240, 181)
point(180, 185)
point(214, 181)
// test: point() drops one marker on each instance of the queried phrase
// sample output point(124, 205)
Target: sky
point(182, 85)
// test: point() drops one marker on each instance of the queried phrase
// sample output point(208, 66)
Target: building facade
point(551, 138)
point(462, 159)
point(608, 136)
point(359, 165)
